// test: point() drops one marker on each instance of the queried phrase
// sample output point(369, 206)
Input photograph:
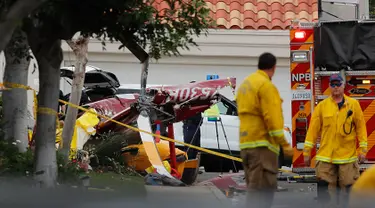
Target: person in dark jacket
point(192, 133)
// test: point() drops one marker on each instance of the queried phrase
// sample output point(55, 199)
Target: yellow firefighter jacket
point(366, 182)
point(363, 190)
point(260, 113)
point(337, 145)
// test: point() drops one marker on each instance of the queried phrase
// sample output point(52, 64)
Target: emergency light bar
point(211, 77)
point(361, 82)
point(299, 35)
point(366, 81)
point(300, 56)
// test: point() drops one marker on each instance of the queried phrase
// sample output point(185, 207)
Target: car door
point(225, 131)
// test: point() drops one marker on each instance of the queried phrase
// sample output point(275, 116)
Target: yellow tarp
point(86, 122)
point(84, 128)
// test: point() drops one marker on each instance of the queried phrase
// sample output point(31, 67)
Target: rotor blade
point(144, 74)
point(150, 146)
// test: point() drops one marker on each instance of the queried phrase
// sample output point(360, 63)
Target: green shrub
point(105, 151)
point(70, 172)
point(14, 163)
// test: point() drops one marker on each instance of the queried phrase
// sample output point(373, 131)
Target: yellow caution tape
point(42, 110)
point(45, 110)
point(51, 111)
point(8, 86)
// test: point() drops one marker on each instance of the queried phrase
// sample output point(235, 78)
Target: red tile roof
point(259, 14)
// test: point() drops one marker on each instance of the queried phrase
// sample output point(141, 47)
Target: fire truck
point(318, 50)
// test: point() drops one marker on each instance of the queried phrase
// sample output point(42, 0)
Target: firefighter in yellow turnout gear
point(261, 132)
point(363, 190)
point(365, 183)
point(338, 121)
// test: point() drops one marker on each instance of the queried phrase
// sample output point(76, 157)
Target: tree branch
point(71, 44)
point(17, 12)
point(76, 44)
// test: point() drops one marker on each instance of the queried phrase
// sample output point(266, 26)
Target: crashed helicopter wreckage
point(161, 107)
point(150, 110)
point(155, 112)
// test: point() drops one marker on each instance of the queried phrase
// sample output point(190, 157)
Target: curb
point(99, 189)
point(220, 196)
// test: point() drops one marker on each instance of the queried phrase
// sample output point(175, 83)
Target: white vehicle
point(133, 88)
point(227, 143)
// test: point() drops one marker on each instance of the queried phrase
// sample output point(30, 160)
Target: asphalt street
point(15, 195)
point(293, 194)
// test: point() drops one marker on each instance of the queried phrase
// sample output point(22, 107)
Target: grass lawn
point(127, 184)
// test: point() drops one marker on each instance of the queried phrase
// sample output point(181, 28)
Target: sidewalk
point(192, 196)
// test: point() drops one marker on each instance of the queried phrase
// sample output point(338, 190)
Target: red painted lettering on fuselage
point(185, 94)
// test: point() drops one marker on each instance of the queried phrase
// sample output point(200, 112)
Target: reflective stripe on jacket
point(337, 145)
point(260, 113)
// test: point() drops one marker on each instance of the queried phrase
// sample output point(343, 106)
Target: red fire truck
point(319, 50)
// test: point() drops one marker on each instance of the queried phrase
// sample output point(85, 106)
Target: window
point(222, 108)
point(226, 109)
